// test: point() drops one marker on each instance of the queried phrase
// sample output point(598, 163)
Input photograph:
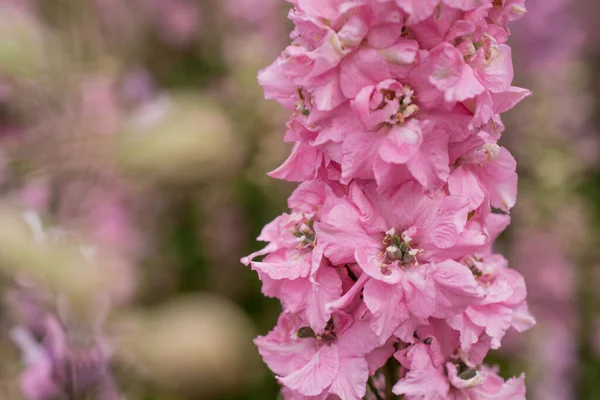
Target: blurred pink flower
point(177, 20)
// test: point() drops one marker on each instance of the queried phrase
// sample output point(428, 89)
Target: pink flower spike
point(385, 256)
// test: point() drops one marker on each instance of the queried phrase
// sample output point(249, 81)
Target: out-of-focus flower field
point(134, 146)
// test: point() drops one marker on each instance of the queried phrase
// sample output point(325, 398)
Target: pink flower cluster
point(385, 258)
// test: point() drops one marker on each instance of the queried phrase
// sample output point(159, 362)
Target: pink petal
point(452, 76)
point(385, 303)
point(423, 380)
point(351, 380)
point(327, 290)
point(462, 182)
point(315, 376)
point(402, 143)
point(455, 288)
point(300, 165)
point(417, 10)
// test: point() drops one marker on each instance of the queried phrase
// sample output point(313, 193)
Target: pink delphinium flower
point(387, 248)
point(332, 362)
point(501, 307)
point(64, 356)
point(176, 20)
point(433, 373)
point(59, 366)
point(290, 267)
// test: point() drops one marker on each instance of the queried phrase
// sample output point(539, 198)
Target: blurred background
point(134, 146)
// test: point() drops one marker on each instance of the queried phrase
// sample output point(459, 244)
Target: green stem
point(374, 389)
point(391, 375)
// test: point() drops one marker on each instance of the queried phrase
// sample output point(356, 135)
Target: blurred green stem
point(374, 389)
point(391, 375)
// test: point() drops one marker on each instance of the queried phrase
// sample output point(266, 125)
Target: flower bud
point(180, 138)
point(62, 267)
point(201, 344)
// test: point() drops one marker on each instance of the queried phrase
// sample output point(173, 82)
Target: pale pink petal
point(497, 74)
point(402, 52)
point(452, 76)
point(430, 165)
point(329, 95)
point(281, 350)
point(423, 380)
point(301, 164)
point(450, 287)
point(385, 303)
point(327, 290)
point(462, 182)
point(522, 318)
point(285, 264)
point(359, 151)
point(340, 233)
point(506, 100)
point(362, 68)
point(465, 4)
point(315, 376)
point(402, 143)
point(351, 380)
point(469, 332)
point(417, 10)
point(276, 84)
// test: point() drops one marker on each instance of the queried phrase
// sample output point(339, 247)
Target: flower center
point(406, 106)
point(398, 250)
point(464, 372)
point(301, 105)
point(478, 269)
point(305, 233)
